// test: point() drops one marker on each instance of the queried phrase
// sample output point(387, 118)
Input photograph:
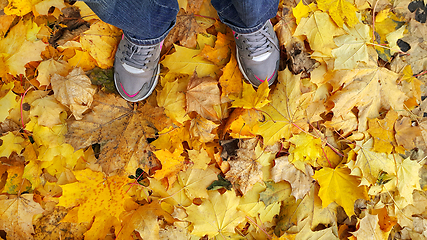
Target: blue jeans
point(149, 21)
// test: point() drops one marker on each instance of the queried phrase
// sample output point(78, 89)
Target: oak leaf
point(217, 215)
point(111, 117)
point(301, 182)
point(337, 185)
point(74, 91)
point(16, 215)
point(202, 96)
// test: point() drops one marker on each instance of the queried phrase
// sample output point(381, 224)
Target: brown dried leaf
point(121, 128)
point(202, 95)
point(16, 214)
point(201, 128)
point(75, 91)
point(50, 227)
point(245, 171)
point(185, 31)
point(406, 134)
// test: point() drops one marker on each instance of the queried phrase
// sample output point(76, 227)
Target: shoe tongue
point(133, 70)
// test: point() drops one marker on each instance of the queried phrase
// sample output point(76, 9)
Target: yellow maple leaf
point(20, 7)
point(101, 41)
point(10, 143)
point(286, 112)
point(352, 48)
point(95, 192)
point(172, 163)
point(250, 98)
point(369, 90)
point(195, 181)
point(185, 60)
point(42, 7)
point(320, 31)
point(220, 53)
point(371, 164)
point(16, 215)
point(82, 59)
point(144, 220)
point(341, 11)
point(74, 91)
point(217, 215)
point(408, 180)
point(337, 185)
point(231, 80)
point(7, 100)
point(250, 204)
point(302, 10)
point(382, 131)
point(47, 136)
point(48, 111)
point(202, 96)
point(19, 47)
point(48, 68)
point(172, 98)
point(200, 158)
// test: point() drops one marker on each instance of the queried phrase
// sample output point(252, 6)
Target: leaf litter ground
point(335, 149)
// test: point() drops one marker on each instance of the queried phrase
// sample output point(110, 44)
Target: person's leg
point(257, 46)
point(145, 23)
point(245, 16)
point(142, 21)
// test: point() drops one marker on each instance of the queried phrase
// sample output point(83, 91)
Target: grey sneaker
point(258, 55)
point(136, 69)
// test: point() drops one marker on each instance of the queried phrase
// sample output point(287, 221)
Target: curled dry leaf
point(74, 91)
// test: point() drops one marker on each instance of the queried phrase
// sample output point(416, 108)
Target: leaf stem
point(251, 220)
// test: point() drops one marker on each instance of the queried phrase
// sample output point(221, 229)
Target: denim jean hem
point(137, 40)
point(243, 30)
